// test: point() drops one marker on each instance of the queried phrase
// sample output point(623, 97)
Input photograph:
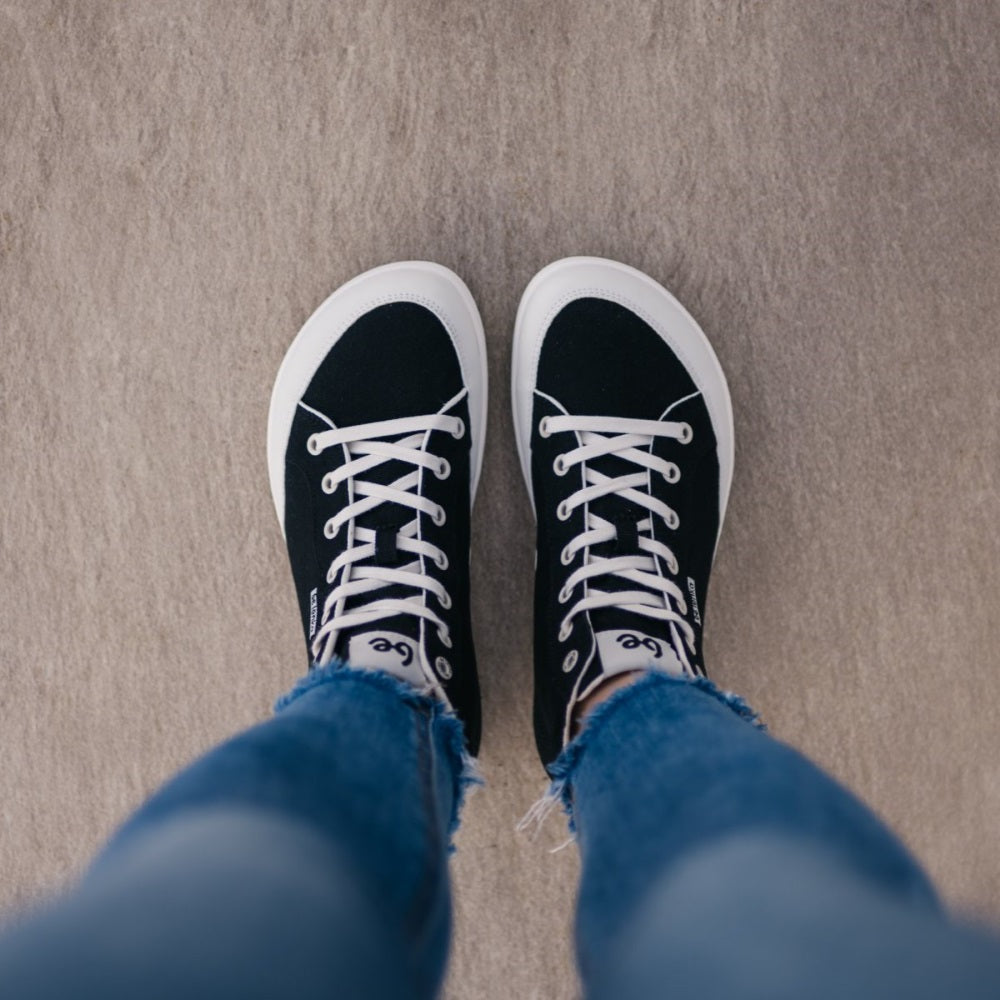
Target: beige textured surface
point(182, 183)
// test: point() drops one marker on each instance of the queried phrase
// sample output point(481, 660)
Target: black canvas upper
point(395, 361)
point(598, 358)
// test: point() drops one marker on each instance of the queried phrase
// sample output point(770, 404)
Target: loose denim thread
point(560, 789)
point(464, 766)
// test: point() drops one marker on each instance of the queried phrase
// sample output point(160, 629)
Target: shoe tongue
point(620, 511)
point(385, 648)
point(392, 643)
point(622, 647)
point(625, 515)
point(625, 640)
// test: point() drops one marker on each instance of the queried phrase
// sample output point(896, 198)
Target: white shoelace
point(631, 440)
point(364, 452)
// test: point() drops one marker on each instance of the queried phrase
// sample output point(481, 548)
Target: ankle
point(600, 695)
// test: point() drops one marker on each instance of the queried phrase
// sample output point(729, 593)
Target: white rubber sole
point(560, 283)
point(422, 282)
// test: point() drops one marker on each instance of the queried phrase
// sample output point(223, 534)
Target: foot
point(375, 443)
point(625, 434)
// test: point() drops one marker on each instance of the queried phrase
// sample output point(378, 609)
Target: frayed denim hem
point(464, 766)
point(561, 770)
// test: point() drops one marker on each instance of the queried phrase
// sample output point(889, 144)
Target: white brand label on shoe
point(625, 649)
point(392, 652)
point(693, 593)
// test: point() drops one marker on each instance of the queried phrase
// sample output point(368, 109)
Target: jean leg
point(768, 917)
point(666, 767)
point(310, 850)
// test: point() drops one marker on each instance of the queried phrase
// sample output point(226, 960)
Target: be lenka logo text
point(629, 641)
point(381, 645)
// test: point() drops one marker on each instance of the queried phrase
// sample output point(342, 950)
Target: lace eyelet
point(312, 444)
point(563, 512)
point(439, 516)
point(543, 427)
point(564, 595)
point(687, 434)
point(442, 563)
point(673, 475)
point(673, 567)
point(328, 530)
point(443, 471)
point(559, 466)
point(330, 576)
point(682, 607)
point(328, 484)
point(444, 638)
point(443, 668)
point(445, 600)
point(459, 430)
point(673, 521)
point(569, 661)
point(566, 557)
point(564, 632)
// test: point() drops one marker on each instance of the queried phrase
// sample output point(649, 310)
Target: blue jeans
point(307, 857)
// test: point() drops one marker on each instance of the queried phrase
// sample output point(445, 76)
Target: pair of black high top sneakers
point(625, 435)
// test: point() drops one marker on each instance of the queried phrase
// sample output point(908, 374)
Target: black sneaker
point(374, 447)
point(625, 433)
